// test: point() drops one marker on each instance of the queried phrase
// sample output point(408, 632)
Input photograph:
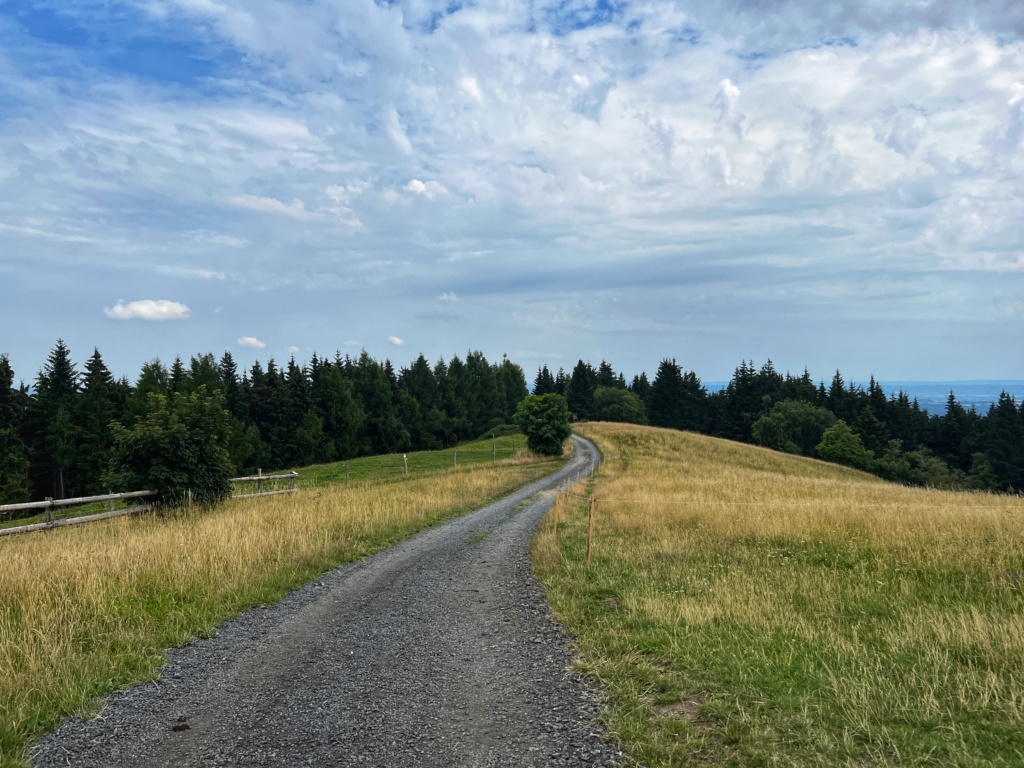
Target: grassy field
point(89, 609)
point(375, 468)
point(745, 607)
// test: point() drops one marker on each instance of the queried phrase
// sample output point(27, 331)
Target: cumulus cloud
point(396, 340)
point(148, 309)
point(428, 189)
point(658, 145)
point(251, 341)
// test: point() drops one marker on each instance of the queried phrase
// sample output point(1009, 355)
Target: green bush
point(544, 419)
point(179, 448)
point(841, 445)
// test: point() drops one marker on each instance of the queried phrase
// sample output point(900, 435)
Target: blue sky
point(829, 185)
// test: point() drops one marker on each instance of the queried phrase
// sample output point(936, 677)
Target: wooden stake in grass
point(590, 530)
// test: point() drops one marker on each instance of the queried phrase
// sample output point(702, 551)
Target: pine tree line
point(890, 436)
point(57, 436)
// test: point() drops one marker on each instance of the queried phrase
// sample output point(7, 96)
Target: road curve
point(437, 652)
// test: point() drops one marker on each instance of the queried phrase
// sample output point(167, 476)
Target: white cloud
point(215, 238)
point(251, 341)
point(470, 86)
point(429, 189)
point(296, 209)
point(202, 274)
point(396, 340)
point(148, 309)
point(397, 132)
point(621, 154)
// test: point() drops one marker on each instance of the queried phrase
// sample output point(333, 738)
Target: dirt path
point(437, 652)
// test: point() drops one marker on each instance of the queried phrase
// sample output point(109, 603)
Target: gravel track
point(440, 651)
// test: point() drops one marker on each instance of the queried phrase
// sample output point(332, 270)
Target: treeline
point(57, 437)
point(891, 436)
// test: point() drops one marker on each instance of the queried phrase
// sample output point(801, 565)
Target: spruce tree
point(97, 408)
point(579, 390)
point(544, 382)
point(1004, 443)
point(13, 455)
point(52, 424)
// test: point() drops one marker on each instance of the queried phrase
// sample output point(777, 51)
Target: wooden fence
point(49, 506)
point(260, 479)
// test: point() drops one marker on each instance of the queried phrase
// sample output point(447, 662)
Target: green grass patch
point(476, 537)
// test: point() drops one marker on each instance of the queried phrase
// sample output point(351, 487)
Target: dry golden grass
point(821, 616)
point(86, 610)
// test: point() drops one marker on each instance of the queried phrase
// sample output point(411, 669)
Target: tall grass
point(87, 610)
point(746, 607)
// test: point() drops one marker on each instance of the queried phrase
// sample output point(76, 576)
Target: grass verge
point(744, 607)
point(90, 609)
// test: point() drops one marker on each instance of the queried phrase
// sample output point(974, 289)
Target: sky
point(829, 185)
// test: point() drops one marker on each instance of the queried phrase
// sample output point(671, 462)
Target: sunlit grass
point(87, 610)
point(751, 608)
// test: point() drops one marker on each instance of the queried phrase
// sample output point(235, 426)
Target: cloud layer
point(711, 182)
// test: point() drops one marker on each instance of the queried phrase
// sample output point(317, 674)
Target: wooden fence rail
point(259, 479)
point(49, 505)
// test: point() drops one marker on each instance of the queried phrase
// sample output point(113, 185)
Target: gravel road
point(437, 652)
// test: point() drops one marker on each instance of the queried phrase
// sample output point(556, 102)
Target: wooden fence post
point(590, 530)
point(346, 471)
point(259, 480)
point(49, 507)
point(455, 458)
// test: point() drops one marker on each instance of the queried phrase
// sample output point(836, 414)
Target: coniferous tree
point(740, 405)
point(52, 424)
point(838, 398)
point(456, 408)
point(579, 390)
point(203, 371)
point(176, 379)
point(544, 382)
point(512, 385)
point(153, 380)
point(97, 408)
point(230, 386)
point(382, 431)
point(1004, 443)
point(561, 380)
point(678, 400)
point(641, 387)
point(13, 455)
point(487, 405)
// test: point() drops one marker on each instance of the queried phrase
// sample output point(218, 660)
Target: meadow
point(750, 608)
point(90, 609)
point(379, 469)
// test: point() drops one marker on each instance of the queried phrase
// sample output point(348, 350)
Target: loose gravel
point(440, 651)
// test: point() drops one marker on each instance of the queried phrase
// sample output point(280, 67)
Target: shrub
point(179, 448)
point(544, 419)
